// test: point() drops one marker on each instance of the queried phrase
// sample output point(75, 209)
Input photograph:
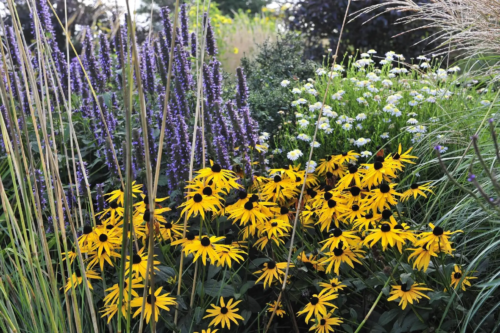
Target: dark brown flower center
point(384, 188)
point(332, 203)
point(353, 169)
point(242, 195)
point(457, 275)
point(414, 186)
point(386, 214)
point(404, 287)
point(322, 322)
point(254, 198)
point(277, 179)
point(248, 205)
point(197, 197)
point(216, 168)
point(271, 265)
point(284, 211)
point(337, 232)
point(314, 300)
point(385, 227)
point(207, 191)
point(205, 241)
point(355, 208)
point(329, 175)
point(136, 259)
point(224, 310)
point(338, 252)
point(274, 224)
point(87, 229)
point(168, 225)
point(190, 236)
point(113, 205)
point(378, 165)
point(438, 231)
point(103, 237)
point(150, 299)
point(355, 191)
point(328, 196)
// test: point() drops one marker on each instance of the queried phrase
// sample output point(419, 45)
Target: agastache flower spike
point(194, 45)
point(138, 147)
point(184, 25)
point(90, 62)
point(211, 43)
point(14, 51)
point(242, 89)
point(167, 25)
point(104, 56)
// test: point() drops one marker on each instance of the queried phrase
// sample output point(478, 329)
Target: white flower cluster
point(294, 154)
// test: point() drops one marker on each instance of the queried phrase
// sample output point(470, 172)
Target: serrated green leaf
point(216, 289)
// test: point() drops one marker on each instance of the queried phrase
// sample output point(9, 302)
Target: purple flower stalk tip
point(471, 177)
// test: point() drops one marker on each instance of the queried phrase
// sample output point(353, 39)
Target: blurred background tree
point(320, 22)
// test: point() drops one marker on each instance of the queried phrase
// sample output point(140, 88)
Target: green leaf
point(246, 286)
point(165, 273)
point(256, 263)
point(347, 328)
point(246, 314)
point(493, 283)
point(252, 305)
point(215, 288)
point(162, 180)
point(404, 277)
point(212, 271)
point(354, 314)
point(388, 316)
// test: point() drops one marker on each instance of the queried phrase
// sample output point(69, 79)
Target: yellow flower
point(114, 292)
point(111, 310)
point(439, 236)
point(317, 305)
point(205, 247)
point(334, 285)
point(221, 178)
point(160, 301)
point(415, 190)
point(272, 270)
point(77, 279)
point(339, 238)
point(276, 308)
point(199, 204)
point(235, 50)
point(139, 264)
point(387, 233)
point(339, 255)
point(423, 255)
point(407, 294)
point(382, 197)
point(324, 323)
point(457, 275)
point(227, 253)
point(224, 314)
point(119, 195)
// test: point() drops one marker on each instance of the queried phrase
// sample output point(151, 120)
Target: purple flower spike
point(167, 25)
point(211, 42)
point(104, 56)
point(491, 120)
point(184, 25)
point(194, 44)
point(471, 177)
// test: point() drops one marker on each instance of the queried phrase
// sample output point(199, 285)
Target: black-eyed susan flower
point(279, 189)
point(224, 314)
point(264, 240)
point(423, 255)
point(347, 157)
point(353, 195)
point(111, 310)
point(227, 254)
point(106, 239)
point(399, 158)
point(276, 308)
point(382, 197)
point(352, 177)
point(119, 194)
point(86, 238)
point(70, 255)
point(221, 178)
point(139, 264)
point(330, 212)
point(416, 190)
point(387, 234)
point(76, 278)
point(334, 285)
point(325, 324)
point(205, 247)
point(272, 271)
point(95, 258)
point(339, 238)
point(250, 212)
point(199, 205)
point(377, 172)
point(437, 235)
point(318, 304)
point(276, 228)
point(368, 221)
point(114, 291)
point(457, 275)
point(160, 302)
point(189, 239)
point(338, 256)
point(115, 214)
point(311, 261)
point(351, 214)
point(407, 294)
point(170, 231)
